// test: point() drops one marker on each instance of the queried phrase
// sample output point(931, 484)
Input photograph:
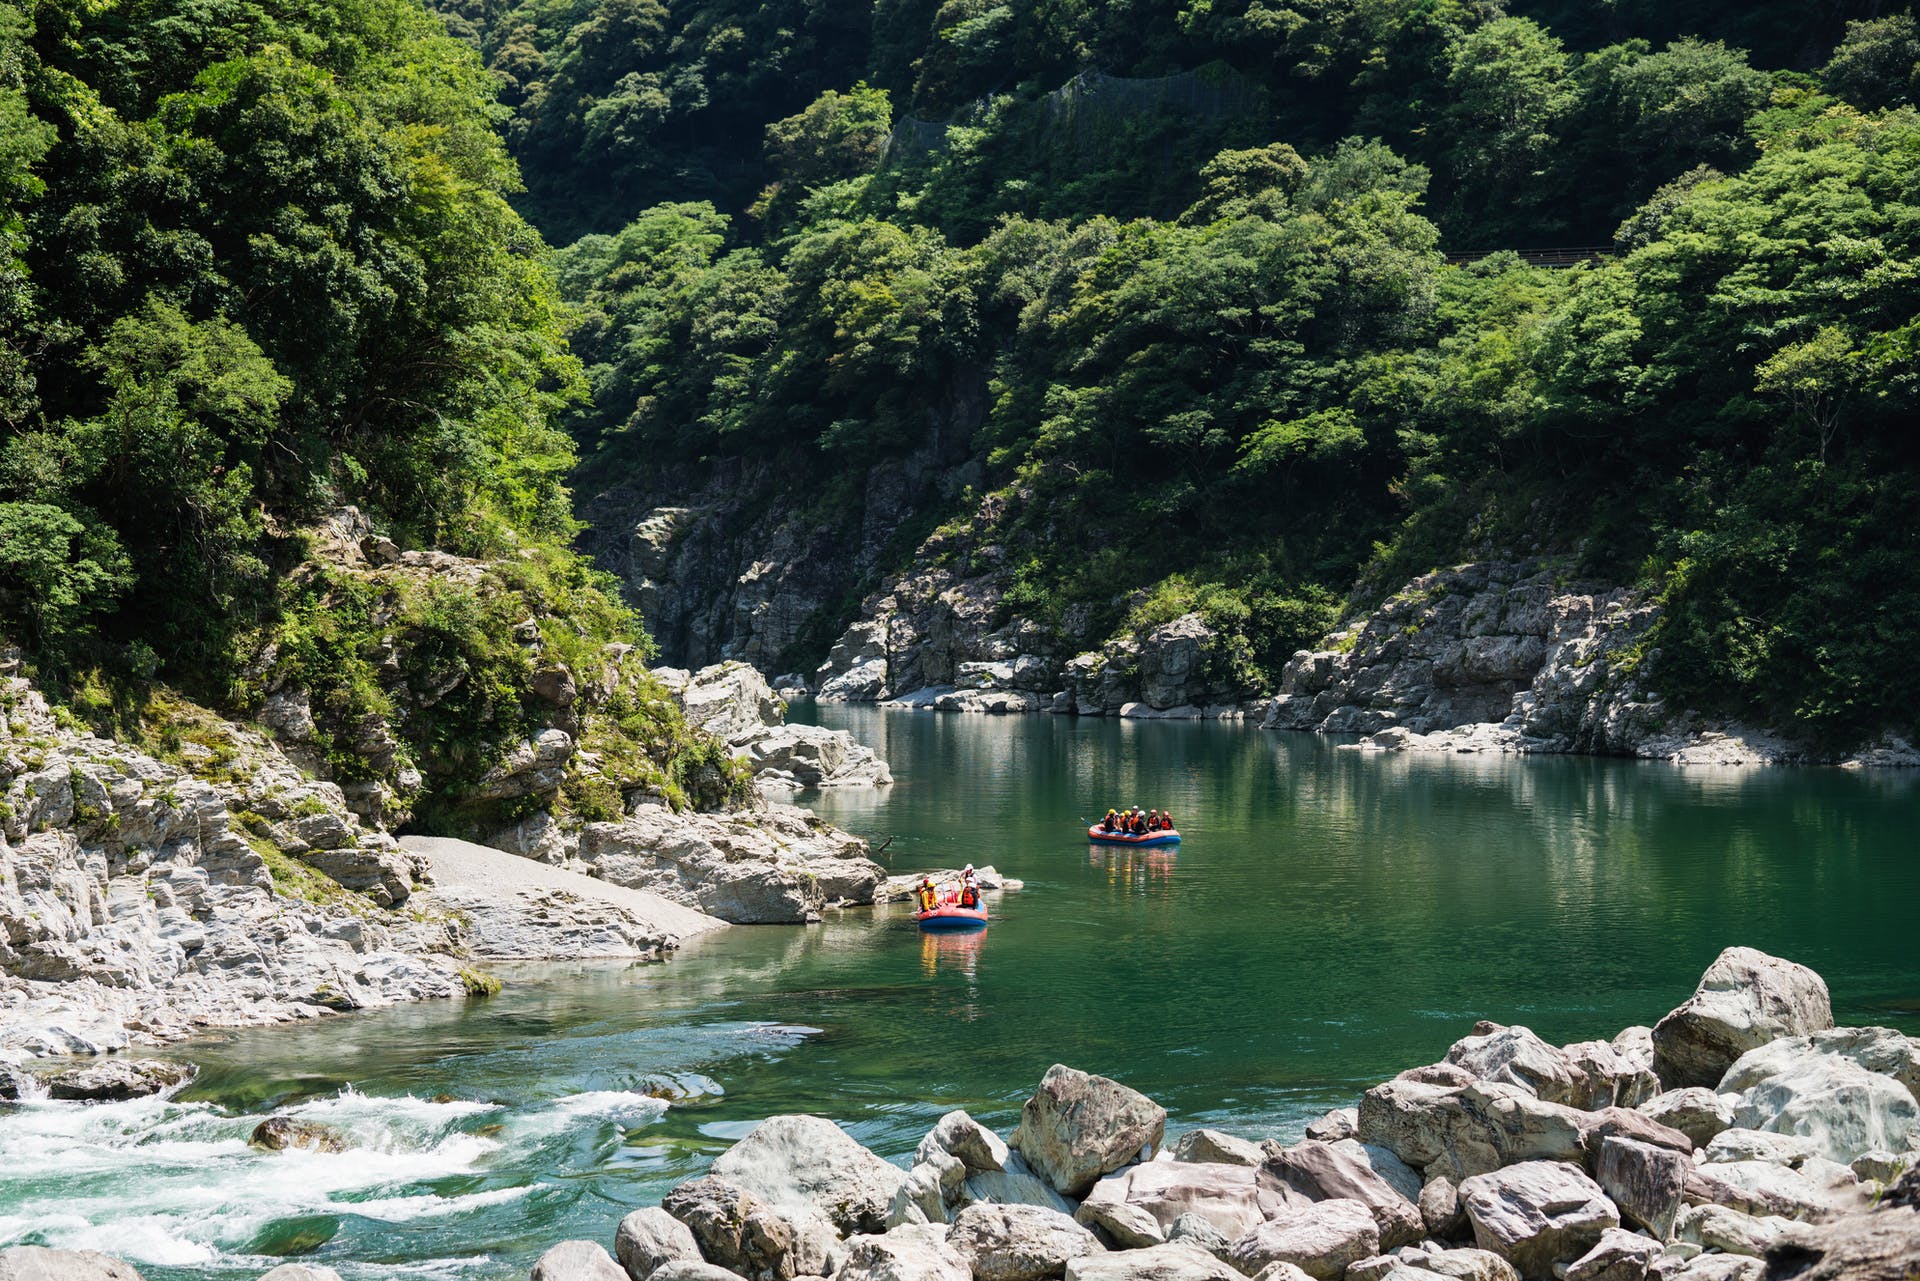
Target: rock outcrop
point(734, 703)
point(1503, 657)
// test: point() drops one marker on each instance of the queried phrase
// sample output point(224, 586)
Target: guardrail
point(1571, 257)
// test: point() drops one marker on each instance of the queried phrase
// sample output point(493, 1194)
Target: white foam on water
point(404, 1209)
point(624, 1106)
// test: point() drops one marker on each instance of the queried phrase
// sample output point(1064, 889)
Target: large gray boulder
point(738, 1231)
point(922, 1197)
point(1464, 1130)
point(1216, 1147)
point(1536, 1214)
point(650, 1238)
point(1077, 1127)
point(1646, 1182)
point(1320, 1239)
point(1618, 1256)
point(1139, 1205)
point(1018, 1184)
point(1156, 1263)
point(1694, 1110)
point(979, 1149)
point(1816, 1191)
point(1018, 1242)
point(1847, 1091)
point(1744, 1000)
point(1718, 1227)
point(37, 1263)
point(1432, 1259)
point(1515, 1056)
point(577, 1261)
point(914, 1253)
point(808, 1161)
point(1616, 1076)
point(1326, 1172)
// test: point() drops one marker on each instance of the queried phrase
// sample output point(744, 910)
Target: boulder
point(1471, 1129)
point(1018, 1242)
point(1646, 1182)
point(1121, 1224)
point(1231, 1197)
point(808, 1161)
point(279, 1133)
point(1615, 1078)
point(1716, 1227)
point(1536, 1214)
point(1877, 1049)
point(734, 1228)
point(1717, 1267)
point(114, 1079)
point(693, 1270)
point(1839, 1107)
point(1817, 1191)
point(1618, 1256)
point(577, 1261)
point(1465, 1264)
point(1217, 1148)
point(1320, 1239)
point(1341, 1123)
point(1881, 1167)
point(979, 1149)
point(650, 1238)
point(1077, 1127)
point(1515, 1056)
point(921, 1198)
point(37, 1263)
point(1883, 1246)
point(1156, 1263)
point(1018, 1184)
point(1200, 1231)
point(1324, 1172)
point(914, 1253)
point(1744, 1000)
point(1694, 1110)
point(1441, 1211)
point(1757, 1145)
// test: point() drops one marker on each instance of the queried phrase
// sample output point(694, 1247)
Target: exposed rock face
point(1077, 1127)
point(1646, 1182)
point(1537, 1213)
point(1502, 657)
point(768, 866)
point(808, 1161)
point(135, 879)
point(1745, 999)
point(1841, 1110)
point(734, 703)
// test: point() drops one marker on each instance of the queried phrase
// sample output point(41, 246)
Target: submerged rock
point(280, 1133)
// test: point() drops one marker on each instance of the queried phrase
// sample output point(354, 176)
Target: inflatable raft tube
point(951, 916)
point(1167, 836)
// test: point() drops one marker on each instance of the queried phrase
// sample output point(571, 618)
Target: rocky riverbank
point(214, 880)
point(1742, 1137)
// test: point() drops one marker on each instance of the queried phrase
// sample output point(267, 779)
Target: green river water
point(1332, 917)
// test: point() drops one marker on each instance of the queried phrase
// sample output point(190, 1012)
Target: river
point(1332, 917)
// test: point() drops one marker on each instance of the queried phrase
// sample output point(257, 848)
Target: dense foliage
point(257, 263)
point(1240, 402)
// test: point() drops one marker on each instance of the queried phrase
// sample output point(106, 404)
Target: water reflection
point(1145, 871)
point(957, 952)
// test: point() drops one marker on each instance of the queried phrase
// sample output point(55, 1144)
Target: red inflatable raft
point(1165, 836)
point(951, 916)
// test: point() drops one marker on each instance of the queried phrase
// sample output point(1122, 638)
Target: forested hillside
point(263, 305)
point(1151, 301)
point(1178, 275)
